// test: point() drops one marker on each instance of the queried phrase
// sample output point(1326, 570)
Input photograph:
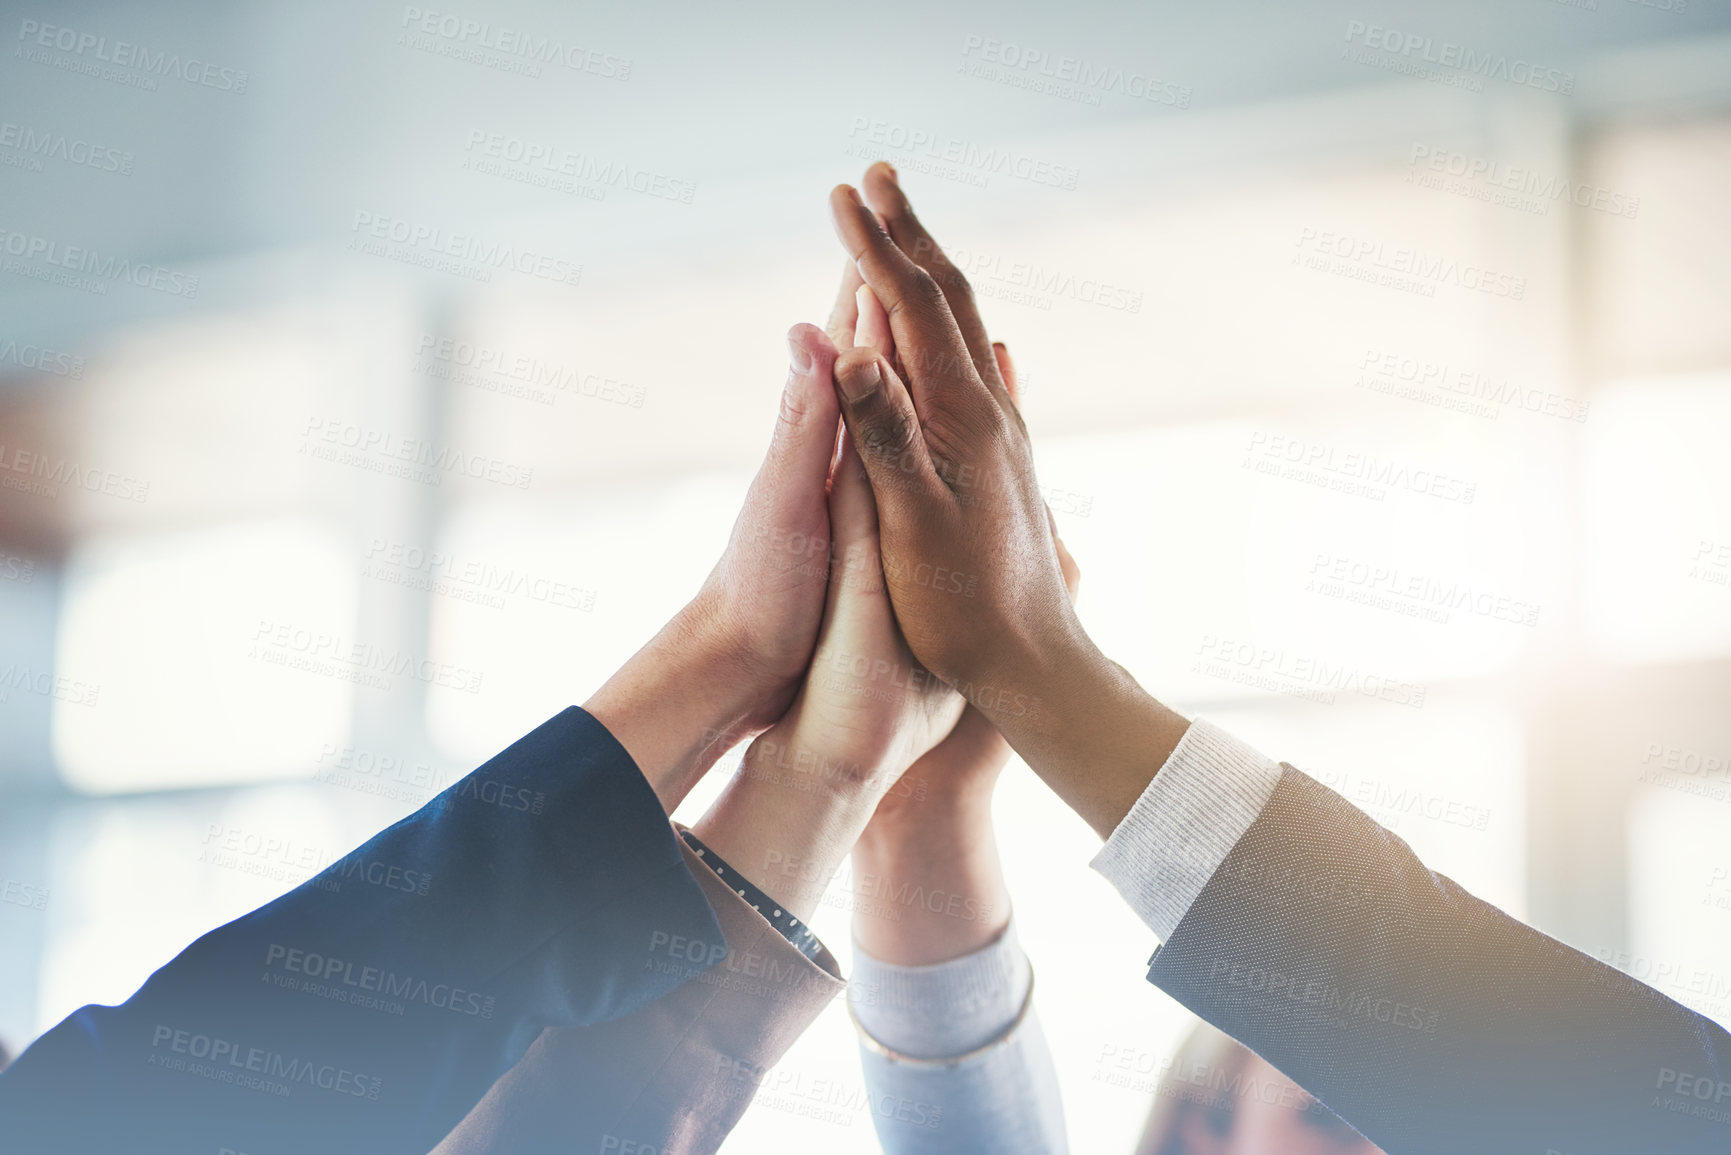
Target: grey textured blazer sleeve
point(1429, 1019)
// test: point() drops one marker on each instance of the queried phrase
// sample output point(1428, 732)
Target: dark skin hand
point(969, 553)
point(936, 833)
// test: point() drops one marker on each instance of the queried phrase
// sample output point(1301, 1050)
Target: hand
point(867, 708)
point(732, 658)
point(765, 598)
point(938, 836)
point(865, 711)
point(969, 553)
point(972, 567)
point(960, 773)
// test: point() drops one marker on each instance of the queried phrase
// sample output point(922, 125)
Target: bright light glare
point(1657, 500)
point(170, 634)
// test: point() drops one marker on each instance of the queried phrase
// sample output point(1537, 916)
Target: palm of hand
point(765, 598)
point(866, 681)
point(772, 580)
point(866, 703)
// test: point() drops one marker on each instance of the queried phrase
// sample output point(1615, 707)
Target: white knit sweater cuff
point(1185, 824)
point(947, 1008)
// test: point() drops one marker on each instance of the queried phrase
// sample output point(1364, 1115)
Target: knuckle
point(885, 436)
point(990, 421)
point(925, 250)
point(850, 361)
point(954, 281)
point(924, 289)
point(791, 411)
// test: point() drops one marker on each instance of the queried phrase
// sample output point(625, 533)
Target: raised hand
point(962, 770)
point(936, 834)
point(969, 552)
point(728, 664)
point(865, 711)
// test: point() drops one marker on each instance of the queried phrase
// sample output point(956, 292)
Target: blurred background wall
point(1377, 355)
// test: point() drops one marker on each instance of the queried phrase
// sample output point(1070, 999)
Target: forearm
point(529, 894)
point(675, 1076)
point(956, 1049)
point(942, 990)
point(676, 706)
point(1428, 1019)
point(944, 849)
point(787, 819)
point(1085, 726)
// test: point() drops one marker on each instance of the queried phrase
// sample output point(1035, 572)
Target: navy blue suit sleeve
point(1429, 1019)
point(370, 1008)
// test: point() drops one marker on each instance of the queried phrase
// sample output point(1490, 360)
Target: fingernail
point(862, 382)
point(894, 175)
point(798, 357)
point(853, 195)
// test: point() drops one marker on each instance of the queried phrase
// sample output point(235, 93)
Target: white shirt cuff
point(1209, 792)
point(947, 1008)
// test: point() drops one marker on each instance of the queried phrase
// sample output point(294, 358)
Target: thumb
point(884, 427)
point(856, 570)
point(804, 441)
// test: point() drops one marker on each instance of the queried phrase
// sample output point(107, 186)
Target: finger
point(884, 191)
point(852, 506)
point(1066, 563)
point(853, 518)
point(884, 429)
point(926, 335)
point(1007, 372)
point(845, 314)
point(805, 431)
point(873, 326)
point(1071, 571)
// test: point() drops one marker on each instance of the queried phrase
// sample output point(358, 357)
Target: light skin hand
point(952, 470)
point(732, 658)
point(866, 710)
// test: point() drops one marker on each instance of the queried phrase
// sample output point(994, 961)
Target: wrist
point(928, 811)
point(780, 824)
point(929, 891)
point(707, 638)
point(844, 758)
point(1098, 739)
point(679, 703)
